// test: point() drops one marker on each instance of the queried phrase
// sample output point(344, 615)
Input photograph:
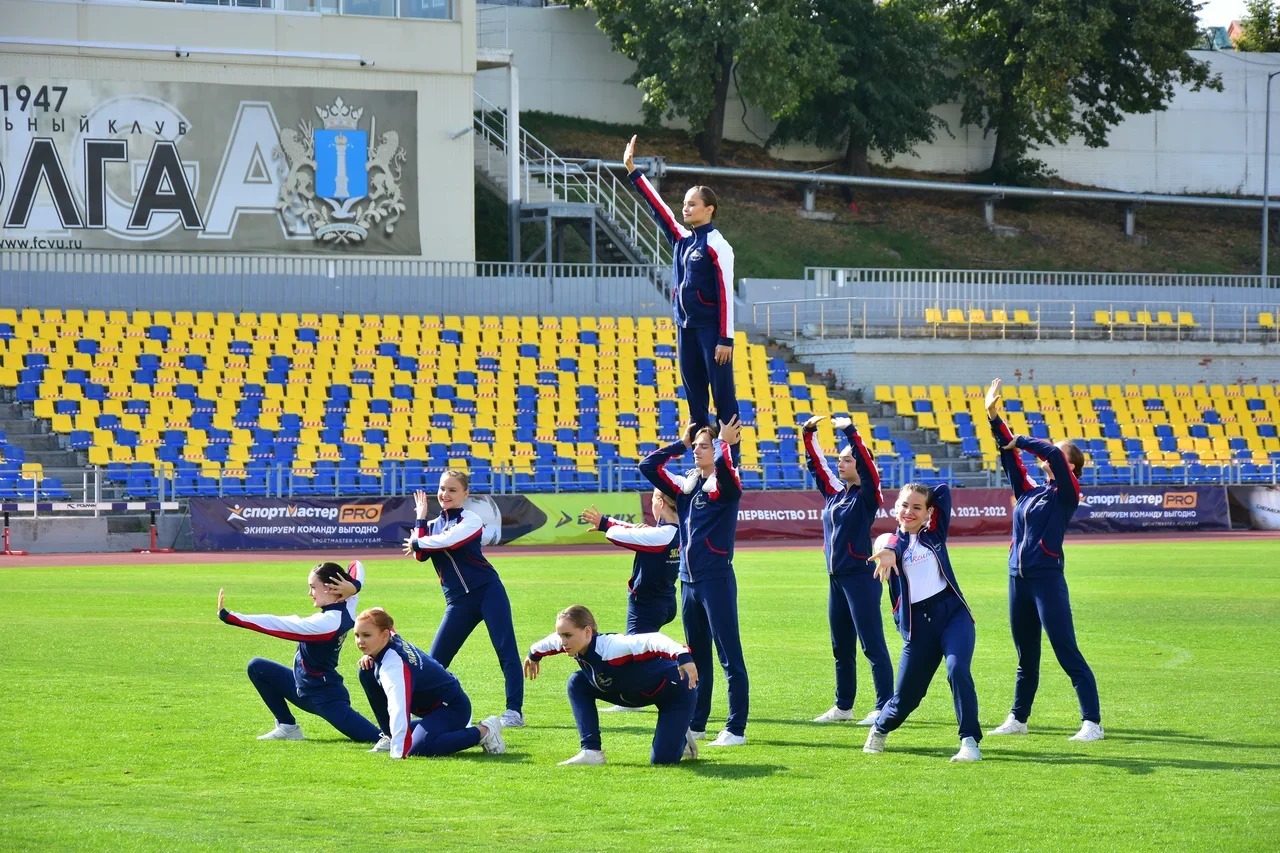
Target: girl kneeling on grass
point(930, 613)
point(628, 669)
point(314, 685)
point(400, 681)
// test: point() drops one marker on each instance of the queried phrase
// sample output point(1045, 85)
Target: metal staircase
point(578, 195)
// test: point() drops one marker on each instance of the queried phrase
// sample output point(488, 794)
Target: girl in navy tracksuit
point(931, 614)
point(630, 669)
point(651, 598)
point(473, 592)
point(703, 296)
point(1037, 581)
point(707, 499)
point(401, 682)
point(853, 598)
point(314, 684)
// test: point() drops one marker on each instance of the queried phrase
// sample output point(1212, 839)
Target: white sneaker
point(875, 741)
point(512, 719)
point(1089, 731)
point(968, 750)
point(1011, 726)
point(728, 738)
point(383, 744)
point(698, 735)
point(492, 742)
point(284, 731)
point(619, 709)
point(869, 719)
point(587, 756)
point(835, 714)
point(690, 745)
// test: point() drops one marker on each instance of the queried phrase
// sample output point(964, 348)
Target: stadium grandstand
point(198, 334)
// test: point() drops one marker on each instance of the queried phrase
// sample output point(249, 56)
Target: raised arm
point(548, 645)
point(868, 473)
point(941, 509)
point(1019, 478)
point(728, 483)
point(469, 526)
point(658, 208)
point(1063, 474)
point(816, 460)
point(654, 469)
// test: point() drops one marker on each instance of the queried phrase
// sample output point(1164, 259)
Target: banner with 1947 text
point(204, 167)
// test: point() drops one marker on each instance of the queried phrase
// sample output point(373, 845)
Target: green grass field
point(128, 722)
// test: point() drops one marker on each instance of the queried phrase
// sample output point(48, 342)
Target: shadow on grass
point(1135, 765)
point(721, 770)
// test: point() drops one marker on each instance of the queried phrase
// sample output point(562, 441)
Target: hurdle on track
point(96, 507)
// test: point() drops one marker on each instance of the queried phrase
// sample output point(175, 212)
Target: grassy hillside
point(893, 228)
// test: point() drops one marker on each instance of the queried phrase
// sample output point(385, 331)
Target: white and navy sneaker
point(968, 751)
point(512, 719)
point(835, 714)
point(383, 744)
point(492, 742)
point(587, 756)
point(1011, 726)
point(875, 741)
point(728, 738)
point(284, 731)
point(870, 719)
point(1089, 731)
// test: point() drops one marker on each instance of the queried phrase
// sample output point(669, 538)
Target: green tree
point(687, 52)
point(1260, 27)
point(890, 74)
point(1036, 72)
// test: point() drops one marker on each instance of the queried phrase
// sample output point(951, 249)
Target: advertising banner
point(1129, 509)
point(202, 167)
point(798, 515)
point(237, 523)
point(1255, 507)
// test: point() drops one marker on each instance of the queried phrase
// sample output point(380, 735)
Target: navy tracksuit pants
point(648, 615)
point(696, 349)
point(488, 604)
point(710, 613)
point(442, 730)
point(853, 608)
point(941, 629)
point(1044, 602)
point(673, 699)
point(277, 687)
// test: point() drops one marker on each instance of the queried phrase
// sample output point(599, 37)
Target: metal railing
point(542, 171)
point(1060, 319)
point(841, 276)
point(95, 486)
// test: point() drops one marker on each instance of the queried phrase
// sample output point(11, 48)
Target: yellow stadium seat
point(1102, 317)
point(1022, 317)
point(977, 316)
point(1186, 320)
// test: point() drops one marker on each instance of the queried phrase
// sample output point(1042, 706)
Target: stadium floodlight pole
point(1266, 187)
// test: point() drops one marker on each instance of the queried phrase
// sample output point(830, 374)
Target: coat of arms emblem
point(335, 182)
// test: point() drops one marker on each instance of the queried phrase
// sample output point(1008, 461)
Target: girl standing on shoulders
point(852, 498)
point(629, 669)
point(473, 592)
point(707, 499)
point(931, 614)
point(314, 685)
point(1038, 596)
point(400, 681)
point(702, 293)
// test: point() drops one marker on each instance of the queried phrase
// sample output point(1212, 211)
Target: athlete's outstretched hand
point(731, 432)
point(993, 399)
point(531, 668)
point(591, 516)
point(885, 561)
point(220, 601)
point(629, 155)
point(841, 424)
point(812, 424)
